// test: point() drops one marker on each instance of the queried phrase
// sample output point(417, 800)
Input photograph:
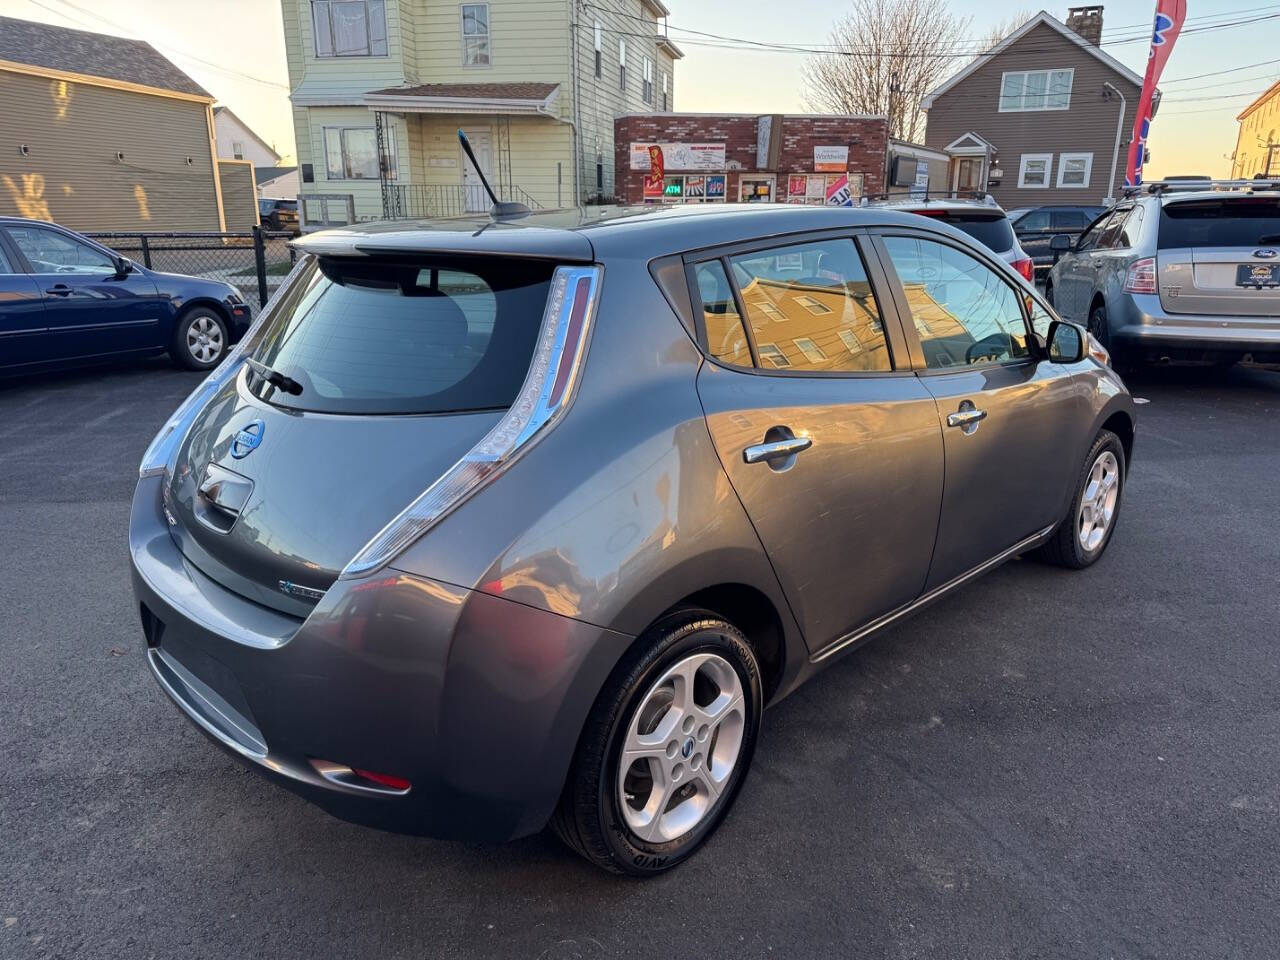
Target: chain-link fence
point(254, 263)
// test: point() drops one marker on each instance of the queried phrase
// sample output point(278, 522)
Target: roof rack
point(909, 195)
point(1194, 184)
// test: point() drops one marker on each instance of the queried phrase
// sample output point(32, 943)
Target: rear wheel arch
point(1121, 424)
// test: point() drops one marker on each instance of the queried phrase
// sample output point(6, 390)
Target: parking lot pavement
point(1046, 764)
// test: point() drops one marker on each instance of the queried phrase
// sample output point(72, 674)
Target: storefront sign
point(830, 159)
point(838, 193)
point(653, 181)
point(796, 187)
point(673, 188)
point(715, 188)
point(816, 190)
point(695, 188)
point(921, 186)
point(679, 156)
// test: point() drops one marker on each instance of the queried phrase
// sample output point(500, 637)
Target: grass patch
point(278, 269)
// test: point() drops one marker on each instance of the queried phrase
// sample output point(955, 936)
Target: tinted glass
point(963, 311)
point(1226, 222)
point(1090, 238)
point(1110, 235)
point(1035, 220)
point(4, 263)
point(1069, 220)
point(726, 338)
point(995, 232)
point(373, 337)
point(1131, 229)
point(810, 307)
point(52, 252)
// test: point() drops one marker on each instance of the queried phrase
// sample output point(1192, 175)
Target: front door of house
point(475, 199)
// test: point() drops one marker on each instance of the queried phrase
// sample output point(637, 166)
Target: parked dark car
point(1036, 226)
point(278, 214)
point(66, 300)
point(490, 524)
point(978, 216)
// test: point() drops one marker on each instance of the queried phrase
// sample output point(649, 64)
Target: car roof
point(585, 233)
point(992, 209)
point(1183, 196)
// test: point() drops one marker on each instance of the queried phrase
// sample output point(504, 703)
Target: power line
point(1218, 73)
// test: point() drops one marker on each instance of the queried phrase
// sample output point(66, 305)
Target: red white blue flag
point(1168, 24)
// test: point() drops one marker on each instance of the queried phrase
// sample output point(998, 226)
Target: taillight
point(545, 396)
point(1027, 267)
point(1141, 277)
point(383, 779)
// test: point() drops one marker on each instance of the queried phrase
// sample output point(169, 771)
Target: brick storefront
point(745, 145)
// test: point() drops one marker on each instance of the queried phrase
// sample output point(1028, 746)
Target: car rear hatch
point(990, 227)
point(388, 368)
point(1220, 256)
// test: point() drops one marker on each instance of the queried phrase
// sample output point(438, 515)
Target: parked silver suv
point(490, 523)
point(1181, 270)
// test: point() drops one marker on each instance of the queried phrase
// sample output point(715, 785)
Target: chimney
point(1086, 21)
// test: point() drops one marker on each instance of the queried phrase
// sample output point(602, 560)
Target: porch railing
point(420, 200)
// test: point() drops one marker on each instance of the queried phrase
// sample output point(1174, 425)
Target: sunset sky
point(235, 49)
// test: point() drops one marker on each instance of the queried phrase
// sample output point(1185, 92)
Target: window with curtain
point(349, 28)
point(475, 35)
point(351, 153)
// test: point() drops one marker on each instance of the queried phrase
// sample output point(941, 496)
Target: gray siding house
point(1041, 118)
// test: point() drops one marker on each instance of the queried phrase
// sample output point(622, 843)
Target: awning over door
point(535, 99)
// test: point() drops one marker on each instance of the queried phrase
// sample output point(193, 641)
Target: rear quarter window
point(1225, 222)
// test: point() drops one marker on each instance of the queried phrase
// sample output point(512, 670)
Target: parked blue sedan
point(65, 301)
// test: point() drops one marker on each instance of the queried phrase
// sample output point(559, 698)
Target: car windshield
point(1220, 222)
point(369, 336)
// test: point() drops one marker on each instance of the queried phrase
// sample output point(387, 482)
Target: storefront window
point(756, 189)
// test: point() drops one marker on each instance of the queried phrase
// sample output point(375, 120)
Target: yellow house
point(1257, 143)
point(382, 87)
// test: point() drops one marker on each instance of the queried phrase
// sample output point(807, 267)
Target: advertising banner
point(695, 188)
point(796, 186)
point(653, 181)
point(679, 156)
point(715, 188)
point(831, 159)
point(816, 190)
point(1165, 30)
point(838, 194)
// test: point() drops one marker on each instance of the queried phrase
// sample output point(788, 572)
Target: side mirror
point(1060, 243)
point(1066, 342)
point(124, 266)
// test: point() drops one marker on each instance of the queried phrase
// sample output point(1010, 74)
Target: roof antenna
point(501, 208)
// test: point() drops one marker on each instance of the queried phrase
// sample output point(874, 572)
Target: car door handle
point(59, 290)
point(963, 418)
point(776, 449)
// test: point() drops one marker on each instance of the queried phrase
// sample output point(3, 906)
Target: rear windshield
point(375, 336)
point(1226, 222)
point(995, 232)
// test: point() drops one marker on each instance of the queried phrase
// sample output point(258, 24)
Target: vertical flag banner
point(1168, 24)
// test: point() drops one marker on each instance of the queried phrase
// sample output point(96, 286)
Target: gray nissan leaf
point(495, 523)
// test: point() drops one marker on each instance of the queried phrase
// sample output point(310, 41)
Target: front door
point(23, 338)
point(834, 452)
point(89, 308)
point(1002, 410)
point(475, 197)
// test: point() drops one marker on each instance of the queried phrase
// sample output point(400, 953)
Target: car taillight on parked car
point(1027, 267)
point(1141, 277)
point(545, 396)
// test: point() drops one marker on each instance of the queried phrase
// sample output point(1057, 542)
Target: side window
point(4, 263)
point(726, 338)
point(1131, 229)
point(1040, 317)
point(52, 252)
point(810, 307)
point(1068, 220)
point(1111, 232)
point(1090, 238)
point(1035, 220)
point(964, 312)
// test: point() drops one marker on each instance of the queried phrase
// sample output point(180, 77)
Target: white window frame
point(316, 6)
point(774, 354)
point(812, 352)
point(599, 50)
point(1062, 169)
point(622, 65)
point(487, 36)
point(1048, 78)
point(646, 88)
point(389, 140)
point(1048, 171)
point(666, 91)
point(237, 149)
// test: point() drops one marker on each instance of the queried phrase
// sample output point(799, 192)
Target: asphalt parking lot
point(1047, 764)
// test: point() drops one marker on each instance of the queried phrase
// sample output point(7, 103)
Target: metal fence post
point(260, 260)
point(146, 252)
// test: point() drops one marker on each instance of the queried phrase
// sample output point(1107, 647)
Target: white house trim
point(1022, 31)
point(1047, 158)
point(1062, 168)
point(412, 104)
point(969, 145)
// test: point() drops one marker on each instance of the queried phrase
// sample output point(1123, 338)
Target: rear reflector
point(546, 395)
point(1141, 277)
point(382, 779)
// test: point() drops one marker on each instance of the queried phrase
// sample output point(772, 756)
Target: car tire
point(1084, 533)
point(618, 817)
point(200, 339)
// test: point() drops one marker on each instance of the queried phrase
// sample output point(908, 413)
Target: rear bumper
point(1141, 325)
point(475, 700)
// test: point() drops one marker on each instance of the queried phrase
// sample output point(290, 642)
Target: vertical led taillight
point(547, 392)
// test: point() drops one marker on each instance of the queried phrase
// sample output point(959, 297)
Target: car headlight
point(1098, 351)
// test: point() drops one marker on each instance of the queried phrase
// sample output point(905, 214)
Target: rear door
point(1005, 415)
point(23, 338)
point(90, 310)
point(1220, 257)
point(1034, 231)
point(1074, 290)
point(829, 439)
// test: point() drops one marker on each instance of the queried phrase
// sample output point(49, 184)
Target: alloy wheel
point(1098, 501)
point(682, 745)
point(204, 339)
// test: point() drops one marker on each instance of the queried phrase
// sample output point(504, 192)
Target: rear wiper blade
point(1269, 238)
point(274, 377)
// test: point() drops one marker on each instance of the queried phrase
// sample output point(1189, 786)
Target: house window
point(1035, 90)
point(622, 65)
point(350, 28)
point(237, 149)
point(475, 35)
point(599, 53)
point(770, 352)
point(812, 352)
point(1074, 169)
point(647, 90)
point(351, 153)
point(1033, 171)
point(666, 92)
point(600, 176)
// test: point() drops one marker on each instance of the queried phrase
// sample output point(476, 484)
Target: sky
point(235, 49)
